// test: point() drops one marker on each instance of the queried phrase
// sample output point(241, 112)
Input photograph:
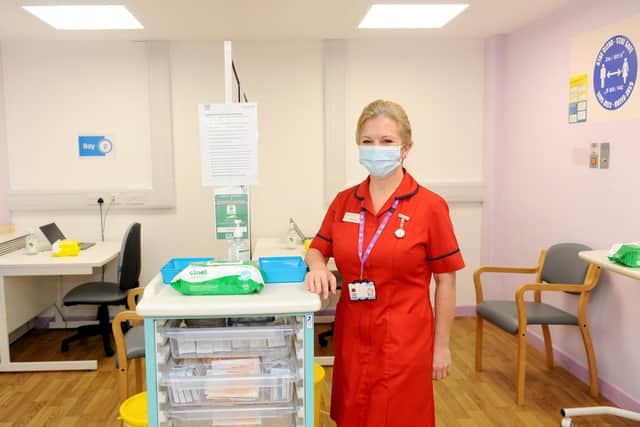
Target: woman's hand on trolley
point(321, 281)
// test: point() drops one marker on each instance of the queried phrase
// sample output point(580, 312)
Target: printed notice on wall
point(578, 98)
point(229, 144)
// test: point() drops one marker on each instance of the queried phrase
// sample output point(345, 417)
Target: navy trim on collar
point(400, 197)
point(406, 196)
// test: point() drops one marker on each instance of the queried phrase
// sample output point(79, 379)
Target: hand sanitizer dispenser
point(238, 248)
point(31, 244)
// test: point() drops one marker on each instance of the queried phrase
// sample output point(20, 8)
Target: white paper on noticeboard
point(229, 143)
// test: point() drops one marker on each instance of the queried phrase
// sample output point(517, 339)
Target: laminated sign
point(615, 72)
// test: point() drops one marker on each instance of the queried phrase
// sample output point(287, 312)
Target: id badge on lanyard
point(362, 290)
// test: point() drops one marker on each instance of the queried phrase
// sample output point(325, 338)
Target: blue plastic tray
point(176, 265)
point(282, 269)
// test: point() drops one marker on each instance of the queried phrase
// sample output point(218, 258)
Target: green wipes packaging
point(219, 278)
point(626, 254)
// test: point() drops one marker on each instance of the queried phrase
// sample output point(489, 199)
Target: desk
point(23, 296)
point(600, 257)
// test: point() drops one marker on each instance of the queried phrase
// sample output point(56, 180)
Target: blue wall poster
point(94, 146)
point(615, 72)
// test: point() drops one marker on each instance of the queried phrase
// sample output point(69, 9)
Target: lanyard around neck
point(374, 239)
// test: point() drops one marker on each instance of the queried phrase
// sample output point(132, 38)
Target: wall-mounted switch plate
point(604, 155)
point(594, 156)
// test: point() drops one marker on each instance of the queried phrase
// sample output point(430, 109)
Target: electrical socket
point(134, 199)
point(92, 199)
point(109, 198)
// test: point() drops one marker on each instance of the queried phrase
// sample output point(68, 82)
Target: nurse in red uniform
point(388, 236)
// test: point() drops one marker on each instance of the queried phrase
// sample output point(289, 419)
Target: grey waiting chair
point(129, 344)
point(559, 269)
point(104, 294)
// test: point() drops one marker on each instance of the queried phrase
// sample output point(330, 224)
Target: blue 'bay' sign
point(615, 72)
point(94, 146)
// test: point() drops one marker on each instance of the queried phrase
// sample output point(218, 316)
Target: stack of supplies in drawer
point(230, 372)
point(266, 416)
point(230, 381)
point(228, 341)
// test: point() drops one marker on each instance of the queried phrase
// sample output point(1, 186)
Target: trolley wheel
point(323, 341)
point(566, 422)
point(64, 347)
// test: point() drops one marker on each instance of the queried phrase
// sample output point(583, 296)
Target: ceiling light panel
point(82, 17)
point(410, 15)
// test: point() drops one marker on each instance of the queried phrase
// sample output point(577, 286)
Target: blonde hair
point(391, 110)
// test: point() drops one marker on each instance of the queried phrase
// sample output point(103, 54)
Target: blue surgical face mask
point(380, 161)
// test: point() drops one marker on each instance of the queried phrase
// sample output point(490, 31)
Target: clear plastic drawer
point(252, 416)
point(200, 342)
point(220, 382)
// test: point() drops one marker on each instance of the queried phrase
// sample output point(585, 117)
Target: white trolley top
point(161, 300)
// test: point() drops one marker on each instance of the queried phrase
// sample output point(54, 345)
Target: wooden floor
point(487, 399)
point(464, 399)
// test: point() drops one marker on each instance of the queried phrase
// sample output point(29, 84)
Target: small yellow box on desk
point(307, 243)
point(66, 248)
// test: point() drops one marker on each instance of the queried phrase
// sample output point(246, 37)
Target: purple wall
point(540, 189)
point(4, 162)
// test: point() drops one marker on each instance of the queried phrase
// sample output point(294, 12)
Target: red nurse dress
point(384, 348)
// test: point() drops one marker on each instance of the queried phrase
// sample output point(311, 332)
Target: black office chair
point(104, 294)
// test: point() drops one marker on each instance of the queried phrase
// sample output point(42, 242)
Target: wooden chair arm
point(131, 297)
point(496, 269)
point(541, 287)
point(118, 336)
point(566, 287)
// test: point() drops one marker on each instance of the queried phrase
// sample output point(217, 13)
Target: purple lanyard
point(374, 239)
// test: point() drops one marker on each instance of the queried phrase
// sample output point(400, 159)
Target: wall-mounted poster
point(615, 72)
point(578, 98)
point(609, 58)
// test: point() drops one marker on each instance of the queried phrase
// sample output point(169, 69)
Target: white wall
point(57, 91)
point(4, 161)
point(285, 79)
point(440, 85)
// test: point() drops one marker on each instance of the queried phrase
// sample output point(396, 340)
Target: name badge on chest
point(362, 290)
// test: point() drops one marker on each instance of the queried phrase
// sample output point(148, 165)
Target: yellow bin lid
point(133, 411)
point(318, 373)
